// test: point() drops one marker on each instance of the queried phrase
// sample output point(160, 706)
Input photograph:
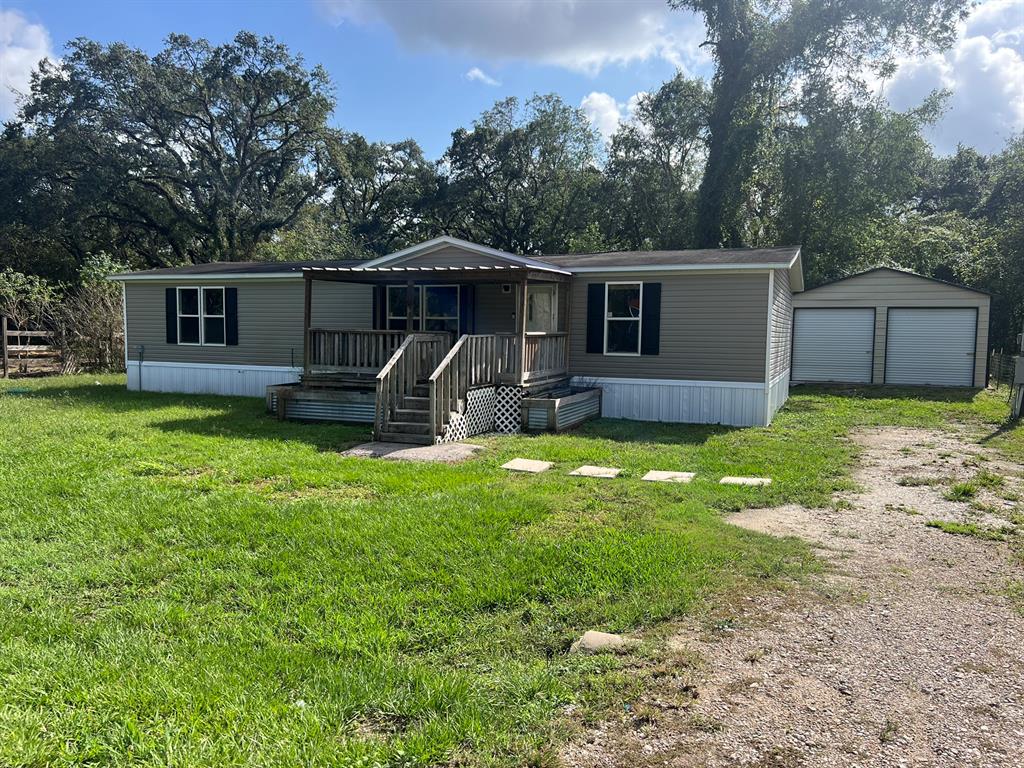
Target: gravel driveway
point(910, 651)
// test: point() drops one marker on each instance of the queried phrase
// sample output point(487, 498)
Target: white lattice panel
point(477, 418)
point(508, 417)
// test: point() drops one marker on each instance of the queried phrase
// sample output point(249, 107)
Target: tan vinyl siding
point(495, 310)
point(713, 328)
point(269, 320)
point(448, 257)
point(782, 325)
point(886, 288)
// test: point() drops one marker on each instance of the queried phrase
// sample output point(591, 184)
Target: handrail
point(398, 378)
point(471, 362)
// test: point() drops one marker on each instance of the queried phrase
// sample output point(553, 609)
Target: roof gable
point(451, 251)
point(889, 274)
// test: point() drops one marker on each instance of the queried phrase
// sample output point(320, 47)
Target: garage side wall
point(884, 289)
point(780, 343)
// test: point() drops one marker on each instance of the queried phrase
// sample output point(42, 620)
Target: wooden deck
point(414, 381)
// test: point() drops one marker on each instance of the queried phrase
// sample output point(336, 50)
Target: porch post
point(307, 318)
point(521, 329)
point(410, 299)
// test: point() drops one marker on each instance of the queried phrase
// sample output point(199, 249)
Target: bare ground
point(909, 652)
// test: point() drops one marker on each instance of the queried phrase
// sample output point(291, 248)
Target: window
point(213, 316)
point(622, 305)
point(397, 317)
point(188, 316)
point(541, 309)
point(435, 308)
point(441, 308)
point(201, 316)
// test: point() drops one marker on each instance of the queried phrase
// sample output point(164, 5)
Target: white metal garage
point(833, 344)
point(925, 331)
point(931, 346)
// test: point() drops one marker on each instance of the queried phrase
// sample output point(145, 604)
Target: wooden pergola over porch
point(519, 357)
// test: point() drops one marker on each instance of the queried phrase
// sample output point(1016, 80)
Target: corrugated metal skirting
point(691, 402)
point(250, 381)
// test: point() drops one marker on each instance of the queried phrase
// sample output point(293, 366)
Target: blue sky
point(421, 68)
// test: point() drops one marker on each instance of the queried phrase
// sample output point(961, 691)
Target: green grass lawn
point(186, 581)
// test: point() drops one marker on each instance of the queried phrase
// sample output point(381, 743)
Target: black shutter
point(231, 316)
point(171, 303)
point(467, 321)
point(595, 318)
point(650, 321)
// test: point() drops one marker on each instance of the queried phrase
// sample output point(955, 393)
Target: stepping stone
point(603, 642)
point(745, 481)
point(589, 471)
point(527, 465)
point(661, 476)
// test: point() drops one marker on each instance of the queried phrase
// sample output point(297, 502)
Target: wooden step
point(416, 403)
point(412, 414)
point(402, 437)
point(421, 390)
point(410, 427)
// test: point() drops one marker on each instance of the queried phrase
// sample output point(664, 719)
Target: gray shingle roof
point(241, 268)
point(717, 257)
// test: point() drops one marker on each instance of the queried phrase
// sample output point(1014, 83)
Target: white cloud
point(581, 36)
point(984, 71)
point(605, 113)
point(478, 75)
point(22, 45)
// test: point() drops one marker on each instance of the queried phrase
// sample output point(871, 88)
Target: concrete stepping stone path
point(745, 481)
point(527, 465)
point(590, 471)
point(661, 476)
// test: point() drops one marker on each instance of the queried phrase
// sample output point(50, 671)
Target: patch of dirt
point(908, 653)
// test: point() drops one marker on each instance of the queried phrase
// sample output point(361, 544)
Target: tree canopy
point(204, 153)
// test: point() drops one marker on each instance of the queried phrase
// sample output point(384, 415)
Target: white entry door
point(833, 344)
point(931, 346)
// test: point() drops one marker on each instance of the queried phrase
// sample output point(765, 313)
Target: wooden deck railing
point(411, 363)
point(546, 357)
point(471, 363)
point(351, 350)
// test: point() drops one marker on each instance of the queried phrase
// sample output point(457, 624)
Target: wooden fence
point(23, 345)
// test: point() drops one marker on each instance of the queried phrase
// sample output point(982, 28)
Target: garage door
point(931, 346)
point(833, 344)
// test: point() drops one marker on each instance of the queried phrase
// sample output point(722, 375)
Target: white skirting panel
point(778, 394)
point(206, 379)
point(739, 404)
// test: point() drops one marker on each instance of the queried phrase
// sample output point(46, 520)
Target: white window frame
point(223, 316)
point(198, 315)
point(639, 319)
point(201, 316)
point(547, 287)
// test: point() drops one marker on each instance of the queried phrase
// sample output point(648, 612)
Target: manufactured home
point(449, 338)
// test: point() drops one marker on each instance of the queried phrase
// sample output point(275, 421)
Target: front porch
point(450, 346)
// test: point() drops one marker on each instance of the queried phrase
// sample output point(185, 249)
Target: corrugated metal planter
point(556, 413)
point(290, 401)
